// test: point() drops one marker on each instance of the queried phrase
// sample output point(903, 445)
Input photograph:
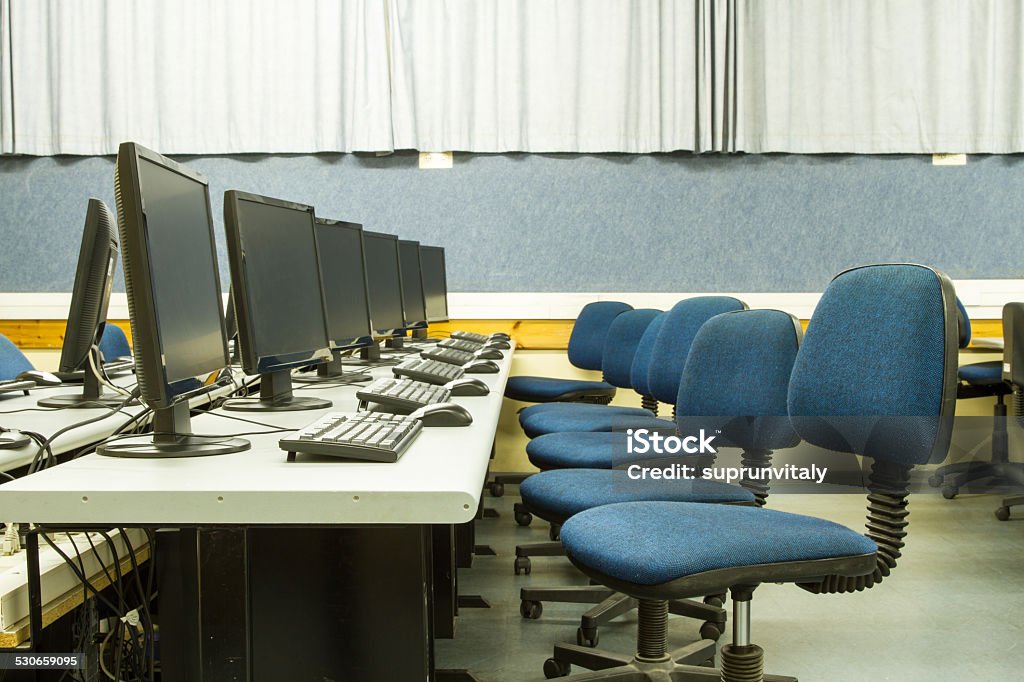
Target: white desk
point(299, 568)
point(438, 480)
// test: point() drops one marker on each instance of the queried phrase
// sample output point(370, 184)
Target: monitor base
point(77, 400)
point(340, 379)
point(283, 404)
point(147, 447)
point(9, 440)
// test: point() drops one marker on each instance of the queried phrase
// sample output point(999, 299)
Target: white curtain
point(6, 132)
point(199, 77)
point(879, 76)
point(545, 75)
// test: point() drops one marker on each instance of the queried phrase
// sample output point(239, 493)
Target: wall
point(517, 222)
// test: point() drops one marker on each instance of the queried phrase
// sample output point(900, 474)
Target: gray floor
point(952, 610)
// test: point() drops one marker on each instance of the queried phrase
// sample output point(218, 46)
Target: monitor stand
point(276, 396)
point(396, 342)
point(91, 395)
point(419, 334)
point(371, 353)
point(172, 437)
point(332, 372)
point(9, 440)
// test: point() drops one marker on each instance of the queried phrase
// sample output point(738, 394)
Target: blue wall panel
point(522, 222)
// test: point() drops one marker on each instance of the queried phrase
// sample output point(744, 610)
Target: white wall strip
point(984, 299)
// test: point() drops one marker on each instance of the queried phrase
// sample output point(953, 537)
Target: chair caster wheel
point(497, 489)
point(530, 609)
point(522, 564)
point(554, 668)
point(1003, 513)
point(588, 638)
point(524, 518)
point(949, 491)
point(554, 532)
point(935, 480)
point(714, 600)
point(711, 630)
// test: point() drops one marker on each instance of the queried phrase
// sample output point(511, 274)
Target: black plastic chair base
point(610, 605)
point(497, 484)
point(953, 477)
point(1003, 512)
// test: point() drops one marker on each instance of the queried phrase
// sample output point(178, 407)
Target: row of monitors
point(303, 288)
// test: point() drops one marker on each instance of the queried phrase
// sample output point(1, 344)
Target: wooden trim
point(530, 334)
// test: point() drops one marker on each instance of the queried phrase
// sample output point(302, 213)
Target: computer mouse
point(41, 378)
point(480, 367)
point(489, 354)
point(443, 414)
point(500, 344)
point(500, 336)
point(12, 439)
point(467, 386)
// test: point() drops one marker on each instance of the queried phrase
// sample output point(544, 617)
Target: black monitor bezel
point(444, 279)
point(252, 362)
point(357, 341)
point(150, 369)
point(412, 324)
point(90, 297)
point(387, 331)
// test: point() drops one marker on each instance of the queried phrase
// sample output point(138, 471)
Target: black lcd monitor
point(279, 300)
point(79, 356)
point(169, 257)
point(343, 277)
point(435, 283)
point(383, 277)
point(412, 287)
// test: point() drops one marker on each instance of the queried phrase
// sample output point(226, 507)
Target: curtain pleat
point(6, 93)
point(200, 77)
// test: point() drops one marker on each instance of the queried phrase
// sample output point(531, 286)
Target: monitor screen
point(275, 279)
point(384, 282)
point(412, 284)
point(94, 277)
point(435, 283)
point(343, 274)
point(171, 277)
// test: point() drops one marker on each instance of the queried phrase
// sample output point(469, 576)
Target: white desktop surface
point(437, 480)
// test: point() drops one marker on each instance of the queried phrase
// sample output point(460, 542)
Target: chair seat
point(563, 417)
point(530, 389)
point(559, 495)
point(581, 450)
point(983, 373)
point(652, 543)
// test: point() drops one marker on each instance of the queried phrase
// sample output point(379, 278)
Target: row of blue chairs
point(749, 375)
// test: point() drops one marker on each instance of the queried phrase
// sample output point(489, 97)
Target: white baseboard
point(984, 299)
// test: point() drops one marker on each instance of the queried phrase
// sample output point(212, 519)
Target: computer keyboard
point(449, 355)
point(367, 436)
point(8, 385)
point(461, 344)
point(402, 394)
point(429, 371)
point(470, 336)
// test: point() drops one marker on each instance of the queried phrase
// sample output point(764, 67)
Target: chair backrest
point(12, 361)
point(114, 343)
point(638, 373)
point(736, 379)
point(963, 324)
point(620, 347)
point(586, 343)
point(675, 337)
point(876, 375)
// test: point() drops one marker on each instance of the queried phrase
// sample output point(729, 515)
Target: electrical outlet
point(435, 160)
point(949, 159)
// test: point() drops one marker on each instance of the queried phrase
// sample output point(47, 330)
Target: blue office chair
point(739, 365)
point(666, 366)
point(586, 345)
point(114, 343)
point(1013, 374)
point(981, 380)
point(12, 361)
point(892, 403)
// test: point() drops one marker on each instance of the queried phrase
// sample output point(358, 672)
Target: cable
point(101, 375)
point(111, 410)
point(222, 415)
